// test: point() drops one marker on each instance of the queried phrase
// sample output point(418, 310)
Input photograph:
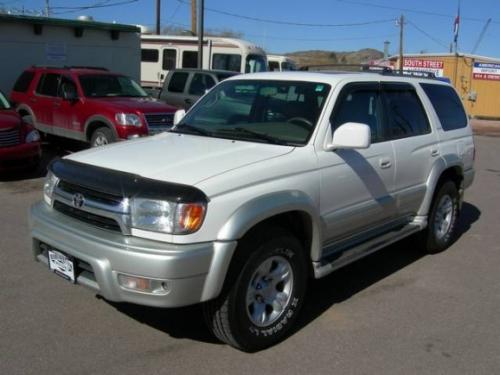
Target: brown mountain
point(320, 57)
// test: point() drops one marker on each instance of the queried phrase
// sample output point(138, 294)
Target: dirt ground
point(486, 127)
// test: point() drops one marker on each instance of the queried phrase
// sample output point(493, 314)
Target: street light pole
point(201, 13)
point(158, 17)
point(401, 26)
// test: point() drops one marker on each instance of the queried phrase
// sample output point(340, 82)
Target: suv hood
point(179, 158)
point(144, 105)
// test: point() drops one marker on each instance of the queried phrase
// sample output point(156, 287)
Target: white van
point(161, 53)
point(280, 63)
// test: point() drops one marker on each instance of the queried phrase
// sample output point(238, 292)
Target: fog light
point(141, 284)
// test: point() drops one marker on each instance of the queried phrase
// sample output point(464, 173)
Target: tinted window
point(67, 85)
point(360, 103)
point(4, 103)
point(223, 61)
point(274, 65)
point(287, 66)
point(406, 115)
point(169, 59)
point(23, 82)
point(200, 83)
point(189, 59)
point(255, 63)
point(177, 82)
point(103, 85)
point(48, 84)
point(149, 55)
point(447, 105)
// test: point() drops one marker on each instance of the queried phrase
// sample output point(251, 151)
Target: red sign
point(489, 77)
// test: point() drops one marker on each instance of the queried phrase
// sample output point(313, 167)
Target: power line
point(102, 4)
point(440, 42)
point(289, 23)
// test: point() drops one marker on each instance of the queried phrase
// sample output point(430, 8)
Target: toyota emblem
point(78, 200)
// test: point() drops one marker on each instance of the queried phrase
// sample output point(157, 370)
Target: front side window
point(200, 83)
point(360, 103)
point(149, 55)
point(406, 115)
point(225, 61)
point(447, 104)
point(49, 82)
point(255, 63)
point(4, 103)
point(189, 59)
point(169, 59)
point(178, 82)
point(288, 66)
point(103, 85)
point(268, 111)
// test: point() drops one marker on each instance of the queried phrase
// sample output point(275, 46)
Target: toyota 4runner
point(88, 104)
point(270, 179)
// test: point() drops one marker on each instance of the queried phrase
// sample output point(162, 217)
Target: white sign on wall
point(486, 71)
point(55, 51)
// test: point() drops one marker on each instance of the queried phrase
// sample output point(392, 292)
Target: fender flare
point(24, 107)
point(266, 206)
point(442, 164)
point(102, 119)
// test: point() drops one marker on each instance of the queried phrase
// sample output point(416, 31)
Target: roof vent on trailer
point(145, 29)
point(85, 18)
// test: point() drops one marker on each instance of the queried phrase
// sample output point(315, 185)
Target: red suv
point(19, 142)
point(88, 104)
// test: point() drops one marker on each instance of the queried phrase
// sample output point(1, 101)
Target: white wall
point(57, 46)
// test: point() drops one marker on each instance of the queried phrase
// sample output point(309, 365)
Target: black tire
point(229, 315)
point(432, 240)
point(101, 137)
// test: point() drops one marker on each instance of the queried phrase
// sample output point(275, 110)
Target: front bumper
point(20, 156)
point(193, 273)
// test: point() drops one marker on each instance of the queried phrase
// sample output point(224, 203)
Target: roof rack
point(70, 67)
point(367, 68)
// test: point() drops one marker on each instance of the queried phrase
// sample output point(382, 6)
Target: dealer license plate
point(62, 265)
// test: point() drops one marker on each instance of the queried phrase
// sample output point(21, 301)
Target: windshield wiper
point(191, 129)
point(262, 136)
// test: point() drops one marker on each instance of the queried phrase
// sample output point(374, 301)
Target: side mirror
point(179, 115)
point(69, 92)
point(351, 135)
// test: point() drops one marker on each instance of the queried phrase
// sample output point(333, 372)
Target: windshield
point(269, 111)
point(255, 63)
point(102, 85)
point(4, 103)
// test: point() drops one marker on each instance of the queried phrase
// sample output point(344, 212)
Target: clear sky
point(286, 25)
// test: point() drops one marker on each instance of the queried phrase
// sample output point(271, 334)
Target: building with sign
point(27, 41)
point(476, 78)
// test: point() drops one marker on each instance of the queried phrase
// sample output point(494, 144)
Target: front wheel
point(443, 217)
point(101, 137)
point(263, 293)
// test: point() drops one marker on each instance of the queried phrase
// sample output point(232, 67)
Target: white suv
point(268, 180)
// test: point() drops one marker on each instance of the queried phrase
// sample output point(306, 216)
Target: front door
point(357, 185)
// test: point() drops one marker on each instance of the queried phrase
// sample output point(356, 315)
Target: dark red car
point(88, 104)
point(19, 142)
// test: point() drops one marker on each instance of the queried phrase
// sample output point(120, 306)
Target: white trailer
point(280, 63)
point(161, 53)
point(27, 41)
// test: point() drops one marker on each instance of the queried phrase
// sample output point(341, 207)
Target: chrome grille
point(102, 210)
point(10, 137)
point(159, 122)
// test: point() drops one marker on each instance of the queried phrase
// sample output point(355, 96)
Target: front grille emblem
point(78, 200)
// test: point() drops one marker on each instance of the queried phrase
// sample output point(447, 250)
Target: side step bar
point(343, 257)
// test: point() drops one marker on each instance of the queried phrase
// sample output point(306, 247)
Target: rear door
point(43, 102)
point(174, 89)
point(415, 144)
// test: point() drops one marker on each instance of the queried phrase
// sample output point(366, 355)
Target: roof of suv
point(74, 69)
point(213, 71)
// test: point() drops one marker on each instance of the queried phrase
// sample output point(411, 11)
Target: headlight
point(128, 119)
point(167, 217)
point(48, 187)
point(33, 136)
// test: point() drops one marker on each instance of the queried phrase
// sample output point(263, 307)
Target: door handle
point(434, 152)
point(384, 163)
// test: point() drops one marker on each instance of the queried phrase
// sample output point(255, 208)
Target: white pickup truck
point(269, 179)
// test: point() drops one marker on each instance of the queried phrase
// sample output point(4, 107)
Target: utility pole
point(47, 8)
point(193, 17)
point(201, 11)
point(158, 17)
point(401, 27)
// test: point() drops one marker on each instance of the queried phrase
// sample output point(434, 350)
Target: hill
point(320, 57)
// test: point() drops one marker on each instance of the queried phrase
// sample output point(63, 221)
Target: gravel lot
point(394, 312)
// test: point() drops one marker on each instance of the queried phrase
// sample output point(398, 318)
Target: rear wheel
point(443, 216)
point(263, 293)
point(101, 137)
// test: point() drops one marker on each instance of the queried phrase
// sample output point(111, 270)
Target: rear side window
point(200, 83)
point(447, 104)
point(189, 59)
point(23, 82)
point(169, 59)
point(149, 55)
point(48, 84)
point(406, 113)
point(178, 82)
point(225, 61)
